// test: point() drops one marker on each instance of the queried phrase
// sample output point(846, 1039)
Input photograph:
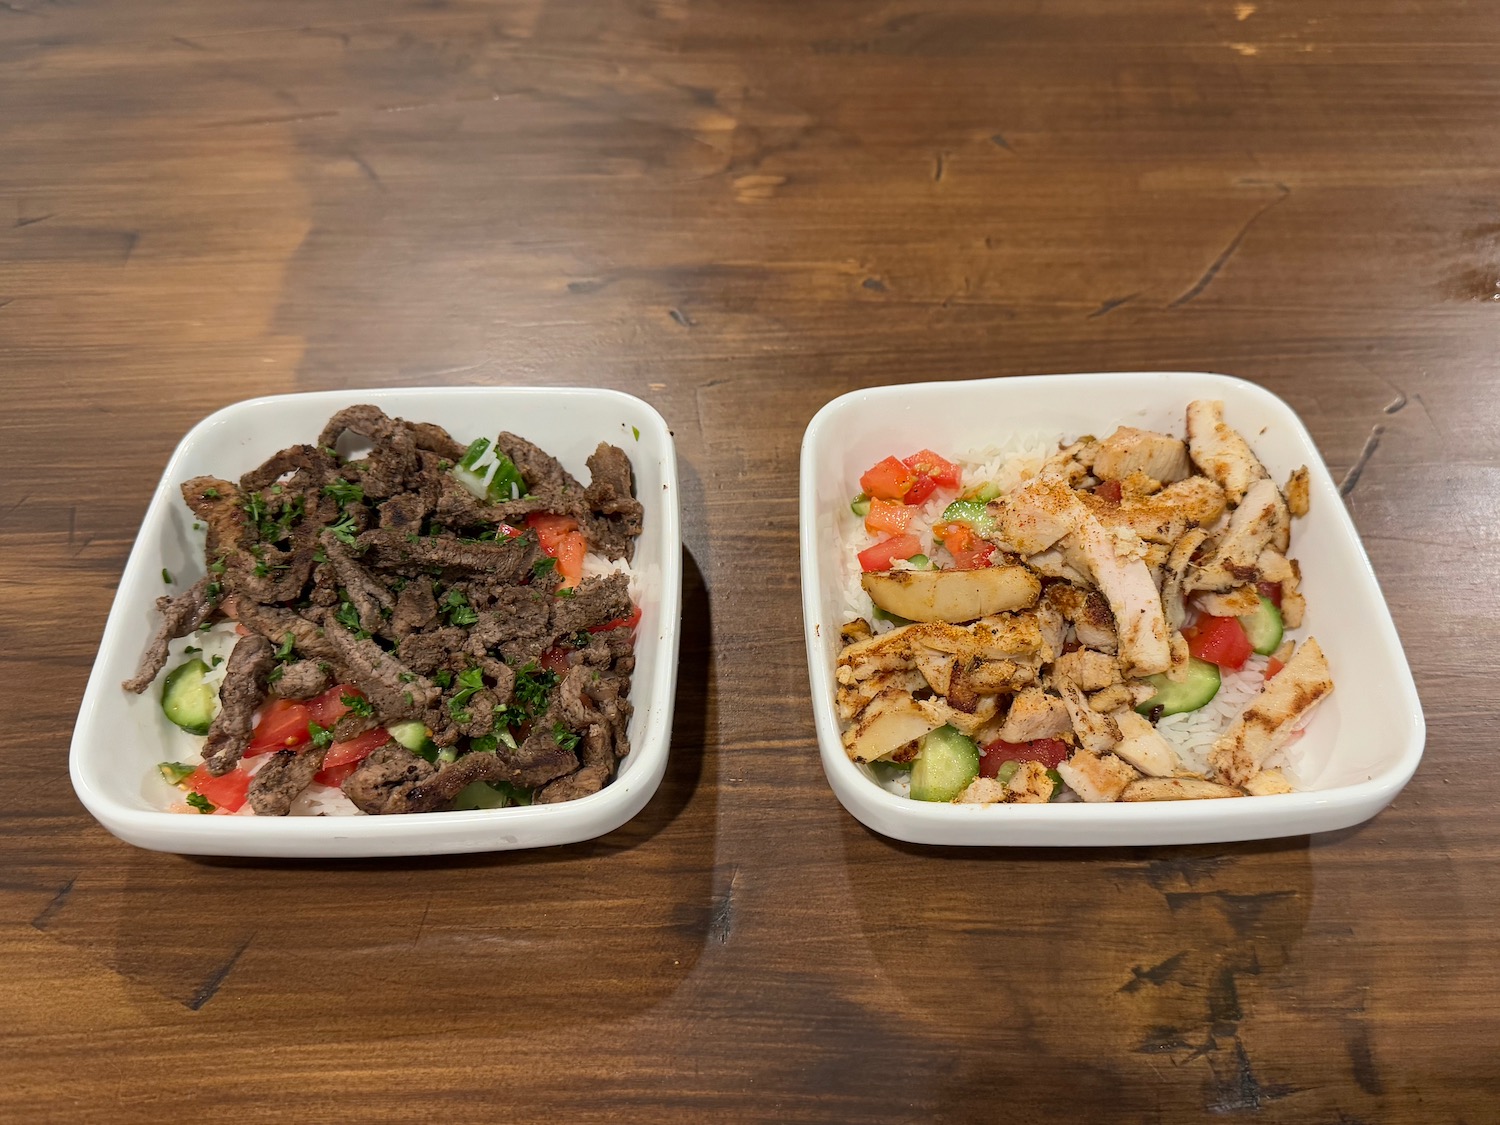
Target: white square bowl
point(1363, 743)
point(120, 737)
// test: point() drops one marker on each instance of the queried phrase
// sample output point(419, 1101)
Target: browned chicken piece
point(1112, 698)
point(989, 677)
point(1276, 567)
point(1298, 491)
point(1035, 714)
point(1236, 603)
point(1129, 450)
point(1164, 516)
point(1029, 785)
point(1176, 789)
point(1031, 518)
point(1072, 463)
point(1086, 669)
point(1268, 783)
point(1055, 563)
point(889, 722)
point(1096, 733)
point(1139, 484)
point(1097, 777)
point(1174, 576)
point(853, 698)
point(940, 712)
point(1259, 522)
point(1264, 725)
point(1219, 451)
point(1087, 612)
point(1143, 747)
point(1133, 600)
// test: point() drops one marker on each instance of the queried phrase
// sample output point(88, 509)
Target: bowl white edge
point(426, 834)
point(1086, 825)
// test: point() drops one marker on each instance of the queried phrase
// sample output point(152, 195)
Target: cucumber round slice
point(1263, 627)
point(860, 505)
point(948, 761)
point(186, 699)
point(1201, 685)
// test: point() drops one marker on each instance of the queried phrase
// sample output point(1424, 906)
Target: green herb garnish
point(166, 576)
point(565, 738)
point(200, 802)
point(322, 737)
point(358, 704)
point(345, 492)
point(476, 450)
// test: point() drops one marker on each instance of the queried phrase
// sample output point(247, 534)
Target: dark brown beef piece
point(616, 513)
point(302, 679)
point(243, 688)
point(416, 608)
point(394, 455)
point(298, 458)
point(180, 616)
point(371, 600)
point(351, 725)
point(435, 439)
point(395, 690)
point(281, 780)
point(541, 471)
point(381, 782)
point(217, 503)
point(275, 623)
point(503, 562)
point(595, 601)
point(518, 623)
point(590, 777)
point(426, 653)
point(405, 512)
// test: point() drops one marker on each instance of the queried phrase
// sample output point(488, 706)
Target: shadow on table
point(1080, 966)
point(585, 932)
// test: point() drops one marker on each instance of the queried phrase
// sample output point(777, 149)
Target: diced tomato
point(554, 660)
point(887, 480)
point(1273, 666)
point(968, 550)
point(923, 487)
point(560, 539)
point(282, 724)
point(943, 472)
point(241, 631)
point(330, 707)
point(887, 516)
point(356, 749)
point(1109, 491)
point(880, 556)
point(1219, 640)
point(227, 792)
point(619, 623)
point(993, 755)
point(336, 775)
point(1271, 591)
point(505, 531)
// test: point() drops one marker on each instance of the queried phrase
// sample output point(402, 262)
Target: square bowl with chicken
point(1087, 610)
point(459, 604)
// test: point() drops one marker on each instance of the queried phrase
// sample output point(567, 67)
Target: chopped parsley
point(485, 743)
point(457, 609)
point(217, 566)
point(190, 650)
point(216, 661)
point(477, 449)
point(322, 737)
point(357, 704)
point(345, 492)
point(565, 591)
point(443, 678)
point(543, 567)
point(166, 576)
point(284, 653)
point(533, 685)
point(320, 556)
point(200, 802)
point(210, 494)
point(470, 682)
point(636, 430)
point(348, 617)
point(509, 715)
point(565, 738)
point(343, 531)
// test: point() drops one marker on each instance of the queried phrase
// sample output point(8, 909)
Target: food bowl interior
point(1364, 741)
point(120, 737)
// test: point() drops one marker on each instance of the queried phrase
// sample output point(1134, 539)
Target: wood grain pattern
point(737, 211)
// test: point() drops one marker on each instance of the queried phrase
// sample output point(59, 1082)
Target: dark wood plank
point(738, 211)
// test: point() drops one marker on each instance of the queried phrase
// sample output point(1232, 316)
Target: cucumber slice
point(860, 505)
point(975, 513)
point(479, 795)
point(413, 735)
point(948, 762)
point(1263, 627)
point(174, 772)
point(984, 493)
point(881, 615)
point(920, 562)
point(186, 699)
point(1201, 685)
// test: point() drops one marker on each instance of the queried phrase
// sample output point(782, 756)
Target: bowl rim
point(564, 822)
point(1137, 824)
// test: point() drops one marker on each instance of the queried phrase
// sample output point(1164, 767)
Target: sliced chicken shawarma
point(1264, 726)
point(1130, 450)
point(1219, 451)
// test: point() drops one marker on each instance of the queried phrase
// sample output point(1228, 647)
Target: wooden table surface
point(738, 209)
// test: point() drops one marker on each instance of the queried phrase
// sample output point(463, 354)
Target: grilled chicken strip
point(1264, 726)
point(1220, 451)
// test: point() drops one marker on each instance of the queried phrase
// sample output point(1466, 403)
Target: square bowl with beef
point(120, 736)
point(1361, 744)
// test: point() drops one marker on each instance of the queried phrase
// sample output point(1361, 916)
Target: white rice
point(1191, 734)
point(317, 799)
